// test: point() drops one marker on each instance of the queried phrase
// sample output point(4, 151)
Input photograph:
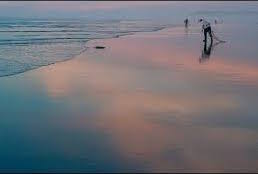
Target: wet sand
point(146, 102)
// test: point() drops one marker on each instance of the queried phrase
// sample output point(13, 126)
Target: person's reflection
point(186, 31)
point(206, 52)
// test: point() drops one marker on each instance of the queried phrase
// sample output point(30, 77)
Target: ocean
point(27, 44)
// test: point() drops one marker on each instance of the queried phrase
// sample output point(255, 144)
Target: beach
point(147, 102)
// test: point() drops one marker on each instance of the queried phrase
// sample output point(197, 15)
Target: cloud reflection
point(156, 128)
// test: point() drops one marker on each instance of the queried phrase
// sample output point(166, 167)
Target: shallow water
point(27, 44)
point(150, 102)
point(145, 103)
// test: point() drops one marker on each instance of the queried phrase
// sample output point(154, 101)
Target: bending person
point(206, 28)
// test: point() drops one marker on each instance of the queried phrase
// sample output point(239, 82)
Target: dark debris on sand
point(100, 47)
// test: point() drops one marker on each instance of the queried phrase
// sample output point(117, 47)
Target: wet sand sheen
point(144, 103)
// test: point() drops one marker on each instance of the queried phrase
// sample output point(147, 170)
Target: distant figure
point(186, 21)
point(206, 28)
point(215, 21)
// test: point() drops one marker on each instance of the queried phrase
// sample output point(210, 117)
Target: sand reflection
point(151, 127)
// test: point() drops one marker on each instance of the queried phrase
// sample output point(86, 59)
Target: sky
point(85, 9)
point(115, 9)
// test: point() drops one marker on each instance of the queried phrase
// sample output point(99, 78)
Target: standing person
point(186, 21)
point(206, 28)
